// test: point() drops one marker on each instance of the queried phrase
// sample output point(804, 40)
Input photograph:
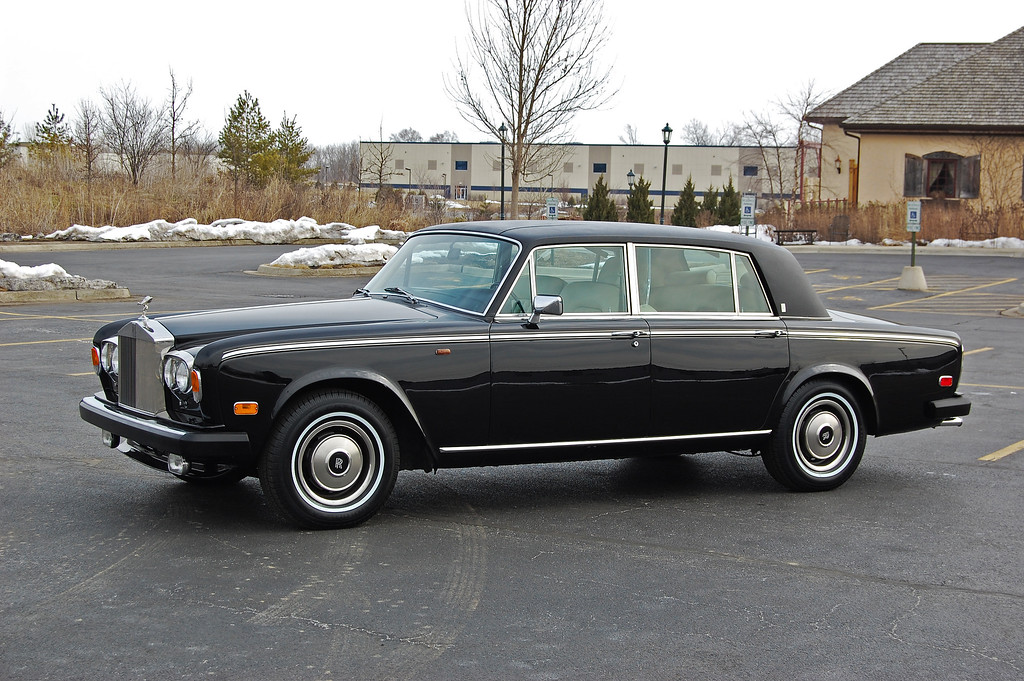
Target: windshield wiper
point(402, 292)
point(363, 292)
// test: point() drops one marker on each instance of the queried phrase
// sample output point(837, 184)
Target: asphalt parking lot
point(689, 567)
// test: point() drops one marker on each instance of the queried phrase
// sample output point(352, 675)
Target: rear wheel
point(820, 438)
point(331, 460)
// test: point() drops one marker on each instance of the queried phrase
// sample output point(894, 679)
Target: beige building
point(473, 171)
point(941, 121)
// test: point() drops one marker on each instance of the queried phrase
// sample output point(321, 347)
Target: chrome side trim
point(867, 336)
point(351, 343)
point(589, 443)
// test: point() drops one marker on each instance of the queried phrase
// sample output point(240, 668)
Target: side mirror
point(545, 305)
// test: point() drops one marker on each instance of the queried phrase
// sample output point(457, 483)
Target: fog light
point(111, 440)
point(177, 465)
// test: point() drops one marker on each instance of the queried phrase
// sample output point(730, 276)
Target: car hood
point(198, 328)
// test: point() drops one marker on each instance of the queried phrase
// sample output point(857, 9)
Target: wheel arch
point(417, 450)
point(849, 377)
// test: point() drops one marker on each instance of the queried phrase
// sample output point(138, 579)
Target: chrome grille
point(142, 347)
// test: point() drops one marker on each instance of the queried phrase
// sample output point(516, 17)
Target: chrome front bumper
point(207, 445)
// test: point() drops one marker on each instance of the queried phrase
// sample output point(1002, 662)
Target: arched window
point(942, 174)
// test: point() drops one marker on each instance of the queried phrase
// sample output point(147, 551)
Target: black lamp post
point(501, 131)
point(631, 179)
point(666, 134)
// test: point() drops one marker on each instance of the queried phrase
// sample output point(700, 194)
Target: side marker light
point(246, 408)
point(945, 381)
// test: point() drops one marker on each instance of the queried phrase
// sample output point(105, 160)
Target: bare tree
point(378, 166)
point(406, 135)
point(86, 138)
point(338, 163)
point(531, 65)
point(199, 150)
point(769, 135)
point(629, 135)
point(180, 132)
point(698, 133)
point(444, 136)
point(132, 128)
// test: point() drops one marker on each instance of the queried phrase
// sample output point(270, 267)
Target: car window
point(752, 298)
point(591, 279)
point(675, 279)
point(459, 270)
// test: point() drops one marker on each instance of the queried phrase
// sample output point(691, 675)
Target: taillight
point(945, 381)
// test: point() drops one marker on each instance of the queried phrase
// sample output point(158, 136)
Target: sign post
point(912, 278)
point(913, 226)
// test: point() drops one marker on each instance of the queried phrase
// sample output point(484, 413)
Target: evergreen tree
point(247, 143)
point(600, 207)
point(293, 152)
point(8, 142)
point(729, 205)
point(685, 212)
point(639, 207)
point(710, 204)
point(52, 136)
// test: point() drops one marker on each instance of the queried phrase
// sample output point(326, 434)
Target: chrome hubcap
point(336, 462)
point(825, 435)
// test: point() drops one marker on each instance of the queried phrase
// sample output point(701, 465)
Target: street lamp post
point(666, 133)
point(444, 181)
point(501, 131)
point(631, 179)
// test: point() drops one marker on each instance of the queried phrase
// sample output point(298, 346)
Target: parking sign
point(913, 216)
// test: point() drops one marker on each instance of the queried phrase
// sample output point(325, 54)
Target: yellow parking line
point(61, 340)
point(1000, 387)
point(944, 294)
point(84, 373)
point(864, 285)
point(1004, 452)
point(976, 351)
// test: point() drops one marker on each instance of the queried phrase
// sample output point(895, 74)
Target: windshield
point(459, 270)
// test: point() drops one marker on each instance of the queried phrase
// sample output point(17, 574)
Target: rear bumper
point(949, 408)
point(193, 444)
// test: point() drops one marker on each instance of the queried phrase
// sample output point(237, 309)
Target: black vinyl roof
point(783, 275)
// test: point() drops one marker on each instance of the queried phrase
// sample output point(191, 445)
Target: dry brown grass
point(876, 222)
point(41, 200)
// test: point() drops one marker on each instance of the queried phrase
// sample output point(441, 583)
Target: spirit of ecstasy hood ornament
point(144, 303)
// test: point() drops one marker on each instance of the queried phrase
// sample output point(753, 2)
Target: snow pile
point(759, 232)
point(49, 277)
point(337, 256)
point(231, 229)
point(1000, 242)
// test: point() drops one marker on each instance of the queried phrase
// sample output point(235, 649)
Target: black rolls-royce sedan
point(513, 342)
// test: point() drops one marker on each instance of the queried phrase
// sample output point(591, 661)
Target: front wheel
point(819, 440)
point(331, 460)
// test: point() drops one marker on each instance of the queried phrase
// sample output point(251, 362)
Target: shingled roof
point(938, 87)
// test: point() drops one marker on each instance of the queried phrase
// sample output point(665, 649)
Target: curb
point(278, 271)
point(83, 295)
point(904, 250)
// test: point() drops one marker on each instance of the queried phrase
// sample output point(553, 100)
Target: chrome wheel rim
point(825, 435)
point(337, 462)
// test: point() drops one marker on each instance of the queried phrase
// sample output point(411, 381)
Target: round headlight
point(169, 373)
point(182, 378)
point(109, 357)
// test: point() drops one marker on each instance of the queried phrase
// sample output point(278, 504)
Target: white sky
point(348, 68)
